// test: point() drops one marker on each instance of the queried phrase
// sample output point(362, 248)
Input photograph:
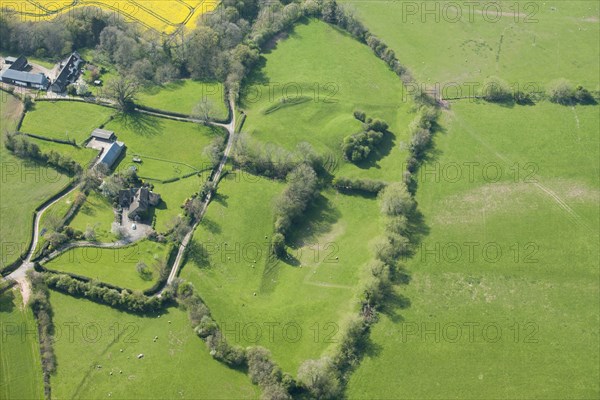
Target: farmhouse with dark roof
point(18, 64)
point(138, 200)
point(68, 74)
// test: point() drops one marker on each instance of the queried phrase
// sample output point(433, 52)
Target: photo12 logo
point(478, 252)
point(10, 251)
point(469, 332)
point(473, 91)
point(290, 93)
point(74, 332)
point(475, 171)
point(468, 11)
point(251, 252)
point(279, 332)
point(26, 171)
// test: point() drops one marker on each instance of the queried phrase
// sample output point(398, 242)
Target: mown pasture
point(302, 301)
point(183, 96)
point(106, 342)
point(24, 186)
point(21, 372)
point(512, 253)
point(461, 42)
point(307, 90)
point(168, 148)
point(115, 266)
point(96, 213)
point(65, 120)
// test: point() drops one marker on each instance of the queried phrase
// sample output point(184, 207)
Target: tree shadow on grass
point(251, 88)
point(139, 123)
point(220, 198)
point(271, 44)
point(171, 86)
point(393, 304)
point(211, 226)
point(317, 221)
point(197, 253)
point(417, 227)
point(371, 349)
point(88, 210)
point(382, 150)
point(7, 301)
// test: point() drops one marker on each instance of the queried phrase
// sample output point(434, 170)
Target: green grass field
point(21, 372)
point(328, 67)
point(159, 142)
point(65, 120)
point(82, 155)
point(113, 266)
point(177, 365)
point(183, 96)
point(304, 300)
point(20, 177)
point(53, 216)
point(97, 213)
point(174, 195)
point(531, 41)
point(532, 275)
point(57, 211)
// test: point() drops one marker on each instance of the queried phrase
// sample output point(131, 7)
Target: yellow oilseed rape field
point(163, 15)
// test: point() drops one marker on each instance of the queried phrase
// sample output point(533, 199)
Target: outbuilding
point(18, 64)
point(103, 134)
point(25, 79)
point(111, 154)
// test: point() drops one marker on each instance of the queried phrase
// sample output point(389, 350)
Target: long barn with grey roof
point(111, 154)
point(103, 134)
point(25, 79)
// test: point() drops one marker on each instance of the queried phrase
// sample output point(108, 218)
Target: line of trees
point(302, 189)
point(564, 92)
point(397, 205)
point(368, 186)
point(560, 91)
point(130, 301)
point(42, 310)
point(22, 147)
point(261, 368)
point(272, 161)
point(421, 132)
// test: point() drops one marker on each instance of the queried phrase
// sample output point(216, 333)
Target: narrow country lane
point(217, 175)
point(20, 274)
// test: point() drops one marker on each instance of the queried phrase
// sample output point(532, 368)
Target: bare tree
point(124, 91)
point(204, 111)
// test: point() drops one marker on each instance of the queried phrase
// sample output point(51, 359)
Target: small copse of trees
point(564, 92)
point(358, 146)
